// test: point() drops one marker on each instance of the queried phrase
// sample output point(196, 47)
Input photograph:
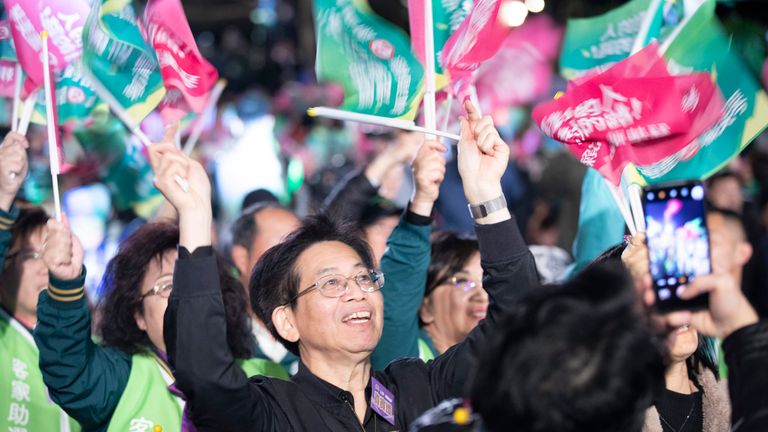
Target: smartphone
point(678, 242)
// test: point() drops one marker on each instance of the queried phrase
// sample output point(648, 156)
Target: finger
point(472, 112)
point(170, 133)
point(486, 140)
point(436, 146)
point(700, 285)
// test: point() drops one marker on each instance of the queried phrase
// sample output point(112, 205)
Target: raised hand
point(728, 309)
point(483, 157)
point(428, 173)
point(13, 167)
point(394, 157)
point(185, 184)
point(62, 251)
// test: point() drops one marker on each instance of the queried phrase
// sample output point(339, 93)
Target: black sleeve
point(746, 354)
point(348, 199)
point(509, 272)
point(217, 390)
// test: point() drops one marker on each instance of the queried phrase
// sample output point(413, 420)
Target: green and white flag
point(700, 44)
point(369, 57)
point(123, 67)
point(606, 39)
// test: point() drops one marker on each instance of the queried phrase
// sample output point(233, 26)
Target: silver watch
point(487, 207)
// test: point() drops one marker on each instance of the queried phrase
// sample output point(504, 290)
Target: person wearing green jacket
point(24, 405)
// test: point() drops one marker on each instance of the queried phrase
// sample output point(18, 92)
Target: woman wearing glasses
point(124, 383)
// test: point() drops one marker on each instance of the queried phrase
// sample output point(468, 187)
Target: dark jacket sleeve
point(85, 379)
point(404, 265)
point(348, 199)
point(6, 222)
point(746, 353)
point(509, 272)
point(195, 332)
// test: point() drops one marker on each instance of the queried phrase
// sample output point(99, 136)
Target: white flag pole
point(210, 105)
point(430, 116)
point(53, 148)
point(26, 113)
point(338, 114)
point(16, 99)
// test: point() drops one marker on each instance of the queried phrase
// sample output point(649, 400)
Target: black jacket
point(746, 353)
point(221, 398)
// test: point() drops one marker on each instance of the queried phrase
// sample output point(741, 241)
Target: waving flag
point(700, 44)
point(609, 38)
point(369, 57)
point(476, 40)
point(188, 77)
point(122, 67)
point(63, 20)
point(635, 112)
point(447, 15)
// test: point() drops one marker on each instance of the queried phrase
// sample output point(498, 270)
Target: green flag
point(369, 57)
point(603, 40)
point(119, 60)
point(700, 44)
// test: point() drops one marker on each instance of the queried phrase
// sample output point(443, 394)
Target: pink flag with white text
point(63, 20)
point(477, 39)
point(187, 76)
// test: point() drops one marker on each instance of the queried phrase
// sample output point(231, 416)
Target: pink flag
point(7, 78)
point(635, 112)
point(476, 40)
point(521, 71)
point(64, 22)
point(187, 76)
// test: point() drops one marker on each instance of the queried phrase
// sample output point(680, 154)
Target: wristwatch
point(487, 207)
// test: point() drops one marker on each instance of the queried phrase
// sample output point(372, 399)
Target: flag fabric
point(187, 75)
point(75, 98)
point(477, 39)
point(635, 112)
point(700, 44)
point(603, 40)
point(447, 15)
point(8, 59)
point(117, 58)
point(369, 57)
point(63, 20)
point(527, 54)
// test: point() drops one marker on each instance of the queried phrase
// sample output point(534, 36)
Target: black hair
point(121, 291)
point(275, 278)
point(725, 174)
point(244, 229)
point(450, 253)
point(573, 357)
point(29, 220)
point(377, 209)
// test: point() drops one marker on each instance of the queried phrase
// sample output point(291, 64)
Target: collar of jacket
point(328, 395)
point(716, 405)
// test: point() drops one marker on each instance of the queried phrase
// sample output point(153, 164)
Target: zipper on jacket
point(354, 414)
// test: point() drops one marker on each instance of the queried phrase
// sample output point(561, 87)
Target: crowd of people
point(367, 315)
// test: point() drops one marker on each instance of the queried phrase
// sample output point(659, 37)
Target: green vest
point(24, 402)
point(146, 403)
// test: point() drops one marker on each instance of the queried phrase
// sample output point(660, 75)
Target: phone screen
point(678, 242)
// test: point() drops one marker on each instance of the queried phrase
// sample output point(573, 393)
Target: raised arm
point(406, 261)
point(508, 267)
point(86, 380)
point(195, 331)
point(13, 170)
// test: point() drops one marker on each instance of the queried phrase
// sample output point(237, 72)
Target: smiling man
point(319, 295)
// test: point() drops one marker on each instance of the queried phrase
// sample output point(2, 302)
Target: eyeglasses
point(463, 283)
point(334, 286)
point(162, 289)
point(24, 255)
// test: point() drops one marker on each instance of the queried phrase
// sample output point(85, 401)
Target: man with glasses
point(24, 404)
point(332, 323)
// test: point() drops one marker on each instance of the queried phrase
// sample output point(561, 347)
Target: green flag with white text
point(369, 57)
point(116, 55)
point(701, 44)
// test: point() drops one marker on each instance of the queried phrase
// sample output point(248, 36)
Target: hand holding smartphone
point(678, 242)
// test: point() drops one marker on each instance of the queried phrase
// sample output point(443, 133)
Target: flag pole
point(636, 205)
point(621, 203)
point(641, 40)
point(210, 105)
point(16, 99)
point(122, 114)
point(430, 116)
point(337, 114)
point(53, 148)
point(26, 113)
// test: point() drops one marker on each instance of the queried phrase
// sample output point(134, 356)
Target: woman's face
point(682, 343)
point(458, 305)
point(155, 289)
point(26, 276)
